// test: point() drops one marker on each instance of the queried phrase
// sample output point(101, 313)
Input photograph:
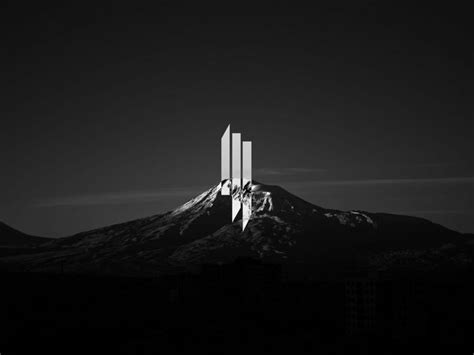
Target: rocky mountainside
point(283, 228)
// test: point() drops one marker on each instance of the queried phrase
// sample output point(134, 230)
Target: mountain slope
point(10, 237)
point(283, 228)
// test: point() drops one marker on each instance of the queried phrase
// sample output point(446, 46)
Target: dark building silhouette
point(244, 280)
point(360, 304)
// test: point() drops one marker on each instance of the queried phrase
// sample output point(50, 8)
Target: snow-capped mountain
point(283, 228)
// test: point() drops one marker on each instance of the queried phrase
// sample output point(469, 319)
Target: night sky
point(115, 113)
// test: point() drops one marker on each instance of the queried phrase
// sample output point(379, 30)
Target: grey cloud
point(445, 180)
point(287, 171)
point(125, 197)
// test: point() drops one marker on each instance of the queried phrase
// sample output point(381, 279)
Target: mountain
point(10, 237)
point(283, 228)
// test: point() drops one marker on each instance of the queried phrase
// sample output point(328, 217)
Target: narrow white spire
point(225, 162)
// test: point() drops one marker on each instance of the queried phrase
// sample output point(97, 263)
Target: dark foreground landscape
point(244, 306)
point(299, 279)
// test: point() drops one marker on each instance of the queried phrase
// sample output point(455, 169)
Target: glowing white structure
point(225, 162)
point(239, 184)
point(236, 175)
point(246, 182)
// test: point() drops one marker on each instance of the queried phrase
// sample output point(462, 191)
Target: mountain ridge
point(11, 237)
point(283, 228)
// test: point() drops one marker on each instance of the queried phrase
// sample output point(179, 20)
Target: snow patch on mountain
point(351, 218)
point(367, 218)
point(266, 203)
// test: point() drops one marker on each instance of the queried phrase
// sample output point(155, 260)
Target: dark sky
point(114, 113)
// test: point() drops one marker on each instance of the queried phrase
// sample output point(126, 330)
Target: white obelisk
point(225, 162)
point(236, 175)
point(246, 182)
